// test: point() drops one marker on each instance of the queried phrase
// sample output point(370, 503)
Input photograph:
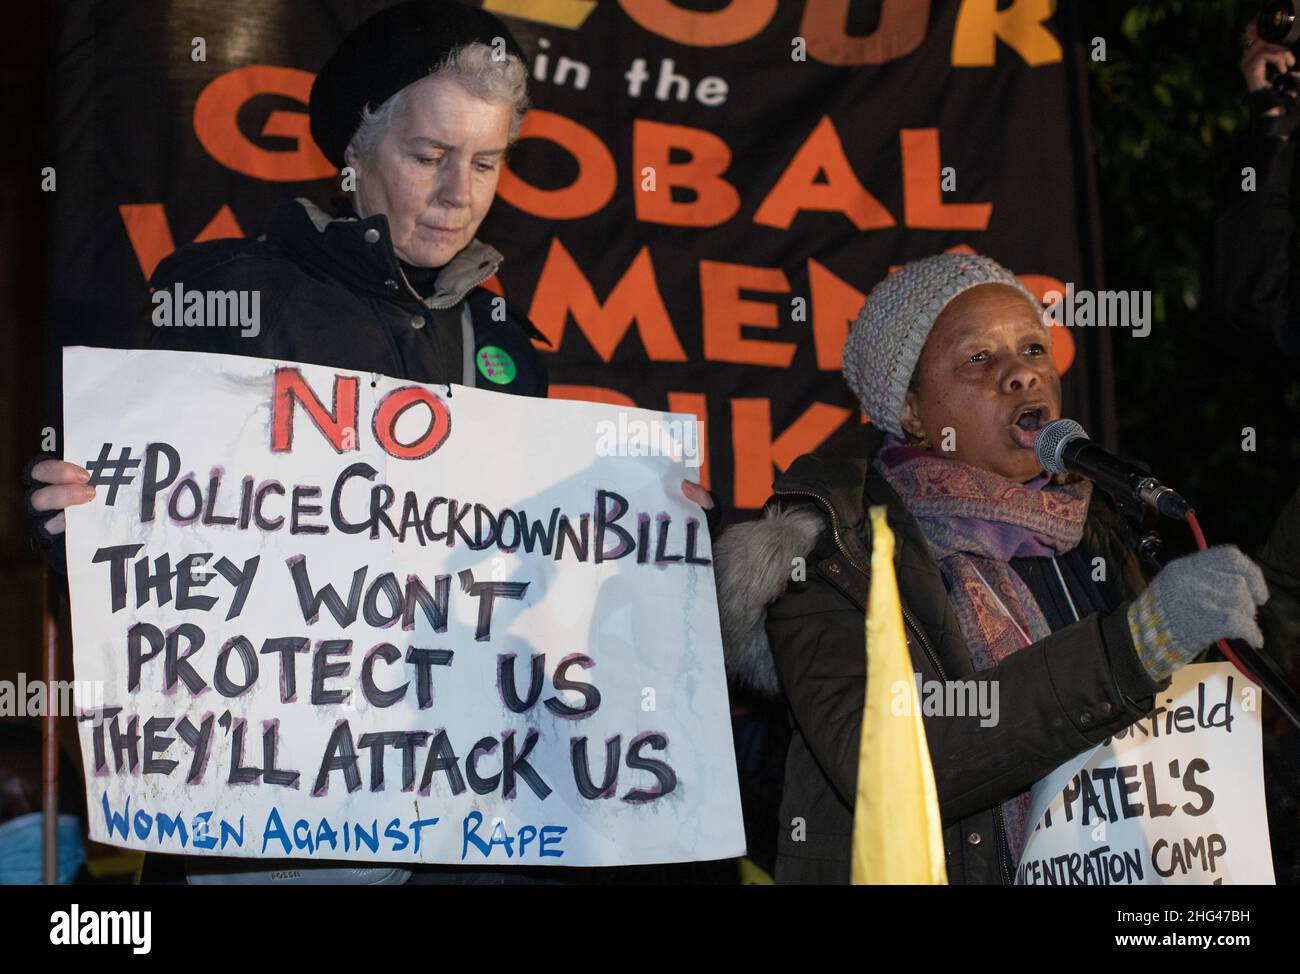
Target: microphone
point(1063, 446)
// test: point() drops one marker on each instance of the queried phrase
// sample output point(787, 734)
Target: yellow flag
point(897, 838)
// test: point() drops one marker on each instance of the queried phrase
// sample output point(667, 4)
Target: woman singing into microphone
point(1007, 577)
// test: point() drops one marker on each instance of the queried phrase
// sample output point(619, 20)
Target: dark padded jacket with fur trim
point(1057, 698)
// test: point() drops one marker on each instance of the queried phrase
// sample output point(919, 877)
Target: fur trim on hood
point(752, 566)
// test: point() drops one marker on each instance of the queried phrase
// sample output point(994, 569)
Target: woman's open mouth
point(1030, 419)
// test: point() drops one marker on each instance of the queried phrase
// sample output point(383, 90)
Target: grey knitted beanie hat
point(885, 342)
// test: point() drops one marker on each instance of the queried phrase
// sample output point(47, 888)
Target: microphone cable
point(1273, 682)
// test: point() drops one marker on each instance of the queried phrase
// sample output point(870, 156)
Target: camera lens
point(1279, 21)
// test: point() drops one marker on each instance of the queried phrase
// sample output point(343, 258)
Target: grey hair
point(477, 69)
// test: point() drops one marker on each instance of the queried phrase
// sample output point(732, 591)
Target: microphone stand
point(1266, 672)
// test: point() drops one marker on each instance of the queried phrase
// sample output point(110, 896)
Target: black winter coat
point(802, 640)
point(332, 293)
point(1057, 697)
point(1252, 283)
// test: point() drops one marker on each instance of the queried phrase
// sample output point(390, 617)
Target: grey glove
point(1195, 600)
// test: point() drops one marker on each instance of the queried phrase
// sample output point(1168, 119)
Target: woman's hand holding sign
point(66, 485)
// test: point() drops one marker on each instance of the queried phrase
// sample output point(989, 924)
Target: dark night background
point(1166, 105)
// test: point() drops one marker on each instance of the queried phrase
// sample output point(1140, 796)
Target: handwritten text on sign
point(342, 616)
point(1176, 798)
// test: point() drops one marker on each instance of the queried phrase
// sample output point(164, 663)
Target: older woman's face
point(434, 172)
point(986, 374)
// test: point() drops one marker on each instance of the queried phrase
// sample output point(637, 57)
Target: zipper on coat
point(908, 618)
point(445, 303)
point(405, 280)
point(1074, 611)
point(1003, 850)
point(1004, 845)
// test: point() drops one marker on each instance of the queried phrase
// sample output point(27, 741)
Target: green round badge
point(495, 365)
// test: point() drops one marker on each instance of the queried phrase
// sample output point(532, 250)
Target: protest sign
point(1176, 798)
point(345, 616)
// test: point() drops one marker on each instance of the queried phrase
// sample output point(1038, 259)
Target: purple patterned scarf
point(975, 522)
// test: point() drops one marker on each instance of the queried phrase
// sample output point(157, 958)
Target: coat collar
point(840, 478)
point(842, 475)
point(837, 474)
point(346, 247)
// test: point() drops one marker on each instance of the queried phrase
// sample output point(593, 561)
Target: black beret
point(390, 50)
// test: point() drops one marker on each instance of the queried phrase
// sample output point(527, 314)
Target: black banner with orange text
point(703, 193)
